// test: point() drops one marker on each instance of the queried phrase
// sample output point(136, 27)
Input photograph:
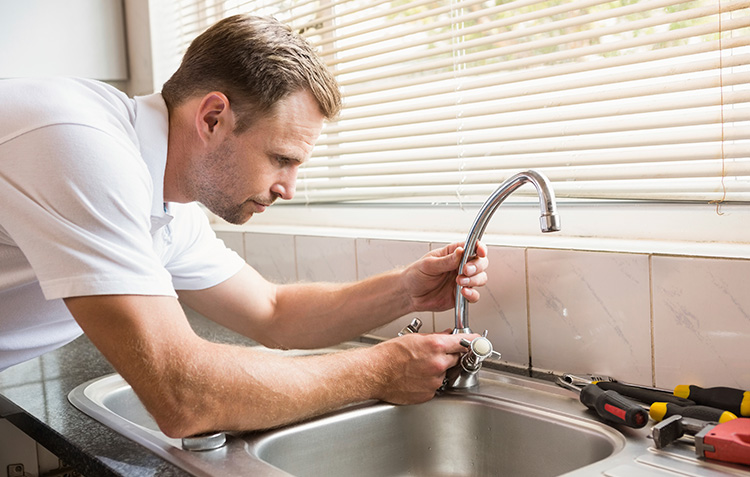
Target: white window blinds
point(444, 100)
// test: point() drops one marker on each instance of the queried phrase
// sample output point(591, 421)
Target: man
point(99, 227)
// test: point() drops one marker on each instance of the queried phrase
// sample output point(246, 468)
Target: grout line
point(294, 254)
point(356, 260)
point(651, 319)
point(528, 307)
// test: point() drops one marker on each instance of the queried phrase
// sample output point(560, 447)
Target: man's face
point(247, 172)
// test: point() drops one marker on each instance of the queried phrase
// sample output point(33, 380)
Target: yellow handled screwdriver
point(734, 400)
point(661, 410)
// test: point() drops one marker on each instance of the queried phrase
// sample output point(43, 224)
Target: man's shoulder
point(41, 102)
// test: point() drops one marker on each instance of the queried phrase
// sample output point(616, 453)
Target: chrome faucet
point(463, 375)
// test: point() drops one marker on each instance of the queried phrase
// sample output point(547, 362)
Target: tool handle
point(727, 442)
point(612, 406)
point(661, 410)
point(648, 396)
point(734, 400)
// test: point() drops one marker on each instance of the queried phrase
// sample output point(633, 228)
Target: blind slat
point(536, 60)
point(631, 156)
point(622, 115)
point(561, 91)
point(395, 58)
point(702, 133)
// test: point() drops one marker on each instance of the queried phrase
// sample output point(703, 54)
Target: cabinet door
point(16, 448)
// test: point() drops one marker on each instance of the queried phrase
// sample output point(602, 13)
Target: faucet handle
point(412, 327)
point(481, 347)
point(463, 375)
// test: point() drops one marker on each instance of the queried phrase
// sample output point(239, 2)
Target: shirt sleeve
point(199, 259)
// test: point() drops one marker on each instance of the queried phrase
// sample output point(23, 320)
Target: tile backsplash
point(648, 319)
point(594, 307)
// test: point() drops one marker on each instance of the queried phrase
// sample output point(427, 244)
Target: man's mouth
point(260, 206)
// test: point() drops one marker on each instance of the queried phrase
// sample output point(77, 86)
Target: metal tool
point(644, 394)
point(609, 405)
point(727, 442)
point(675, 427)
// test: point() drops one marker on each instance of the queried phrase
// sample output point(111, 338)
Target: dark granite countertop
point(34, 397)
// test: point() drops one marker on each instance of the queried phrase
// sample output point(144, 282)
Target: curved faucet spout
point(549, 222)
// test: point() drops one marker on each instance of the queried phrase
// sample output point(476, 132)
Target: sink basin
point(449, 436)
point(508, 425)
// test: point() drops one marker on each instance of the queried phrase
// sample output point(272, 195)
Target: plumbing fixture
point(204, 442)
point(459, 377)
point(549, 222)
point(412, 327)
point(464, 374)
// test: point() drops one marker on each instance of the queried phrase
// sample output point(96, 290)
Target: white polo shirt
point(82, 210)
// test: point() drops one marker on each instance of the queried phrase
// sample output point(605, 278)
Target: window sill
point(629, 227)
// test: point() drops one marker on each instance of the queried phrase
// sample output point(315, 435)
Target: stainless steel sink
point(509, 425)
point(448, 436)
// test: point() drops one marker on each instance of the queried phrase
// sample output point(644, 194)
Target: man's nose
point(285, 187)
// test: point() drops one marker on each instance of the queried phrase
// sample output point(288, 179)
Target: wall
point(72, 38)
point(645, 318)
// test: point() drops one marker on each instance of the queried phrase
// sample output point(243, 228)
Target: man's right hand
point(413, 366)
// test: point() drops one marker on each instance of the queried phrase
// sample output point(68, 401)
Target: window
point(444, 100)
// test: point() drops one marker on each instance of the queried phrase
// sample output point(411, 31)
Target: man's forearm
point(235, 388)
point(307, 315)
point(321, 314)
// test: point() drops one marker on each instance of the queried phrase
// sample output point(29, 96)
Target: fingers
point(438, 262)
point(474, 274)
point(478, 262)
point(449, 257)
point(471, 295)
point(453, 344)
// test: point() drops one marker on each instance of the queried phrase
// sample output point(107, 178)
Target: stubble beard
point(215, 176)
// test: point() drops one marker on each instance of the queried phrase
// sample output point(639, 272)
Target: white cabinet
point(16, 448)
point(21, 456)
point(83, 38)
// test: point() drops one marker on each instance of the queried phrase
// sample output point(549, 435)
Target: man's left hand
point(431, 280)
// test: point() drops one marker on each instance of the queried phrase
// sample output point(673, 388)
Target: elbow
point(179, 411)
point(178, 421)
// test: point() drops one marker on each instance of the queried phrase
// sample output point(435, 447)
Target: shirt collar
point(152, 129)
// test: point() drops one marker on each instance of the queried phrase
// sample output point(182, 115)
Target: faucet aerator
point(549, 223)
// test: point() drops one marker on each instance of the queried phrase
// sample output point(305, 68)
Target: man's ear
point(214, 118)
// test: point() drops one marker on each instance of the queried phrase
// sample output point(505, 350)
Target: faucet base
point(458, 378)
